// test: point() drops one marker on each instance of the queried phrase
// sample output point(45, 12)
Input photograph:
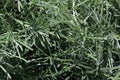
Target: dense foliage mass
point(59, 40)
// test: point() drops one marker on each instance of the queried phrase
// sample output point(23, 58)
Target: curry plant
point(59, 40)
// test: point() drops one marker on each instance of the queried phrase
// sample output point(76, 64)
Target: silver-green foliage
point(59, 40)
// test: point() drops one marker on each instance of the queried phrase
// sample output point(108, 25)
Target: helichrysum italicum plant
point(59, 39)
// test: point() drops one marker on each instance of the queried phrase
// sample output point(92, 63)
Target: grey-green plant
point(59, 40)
